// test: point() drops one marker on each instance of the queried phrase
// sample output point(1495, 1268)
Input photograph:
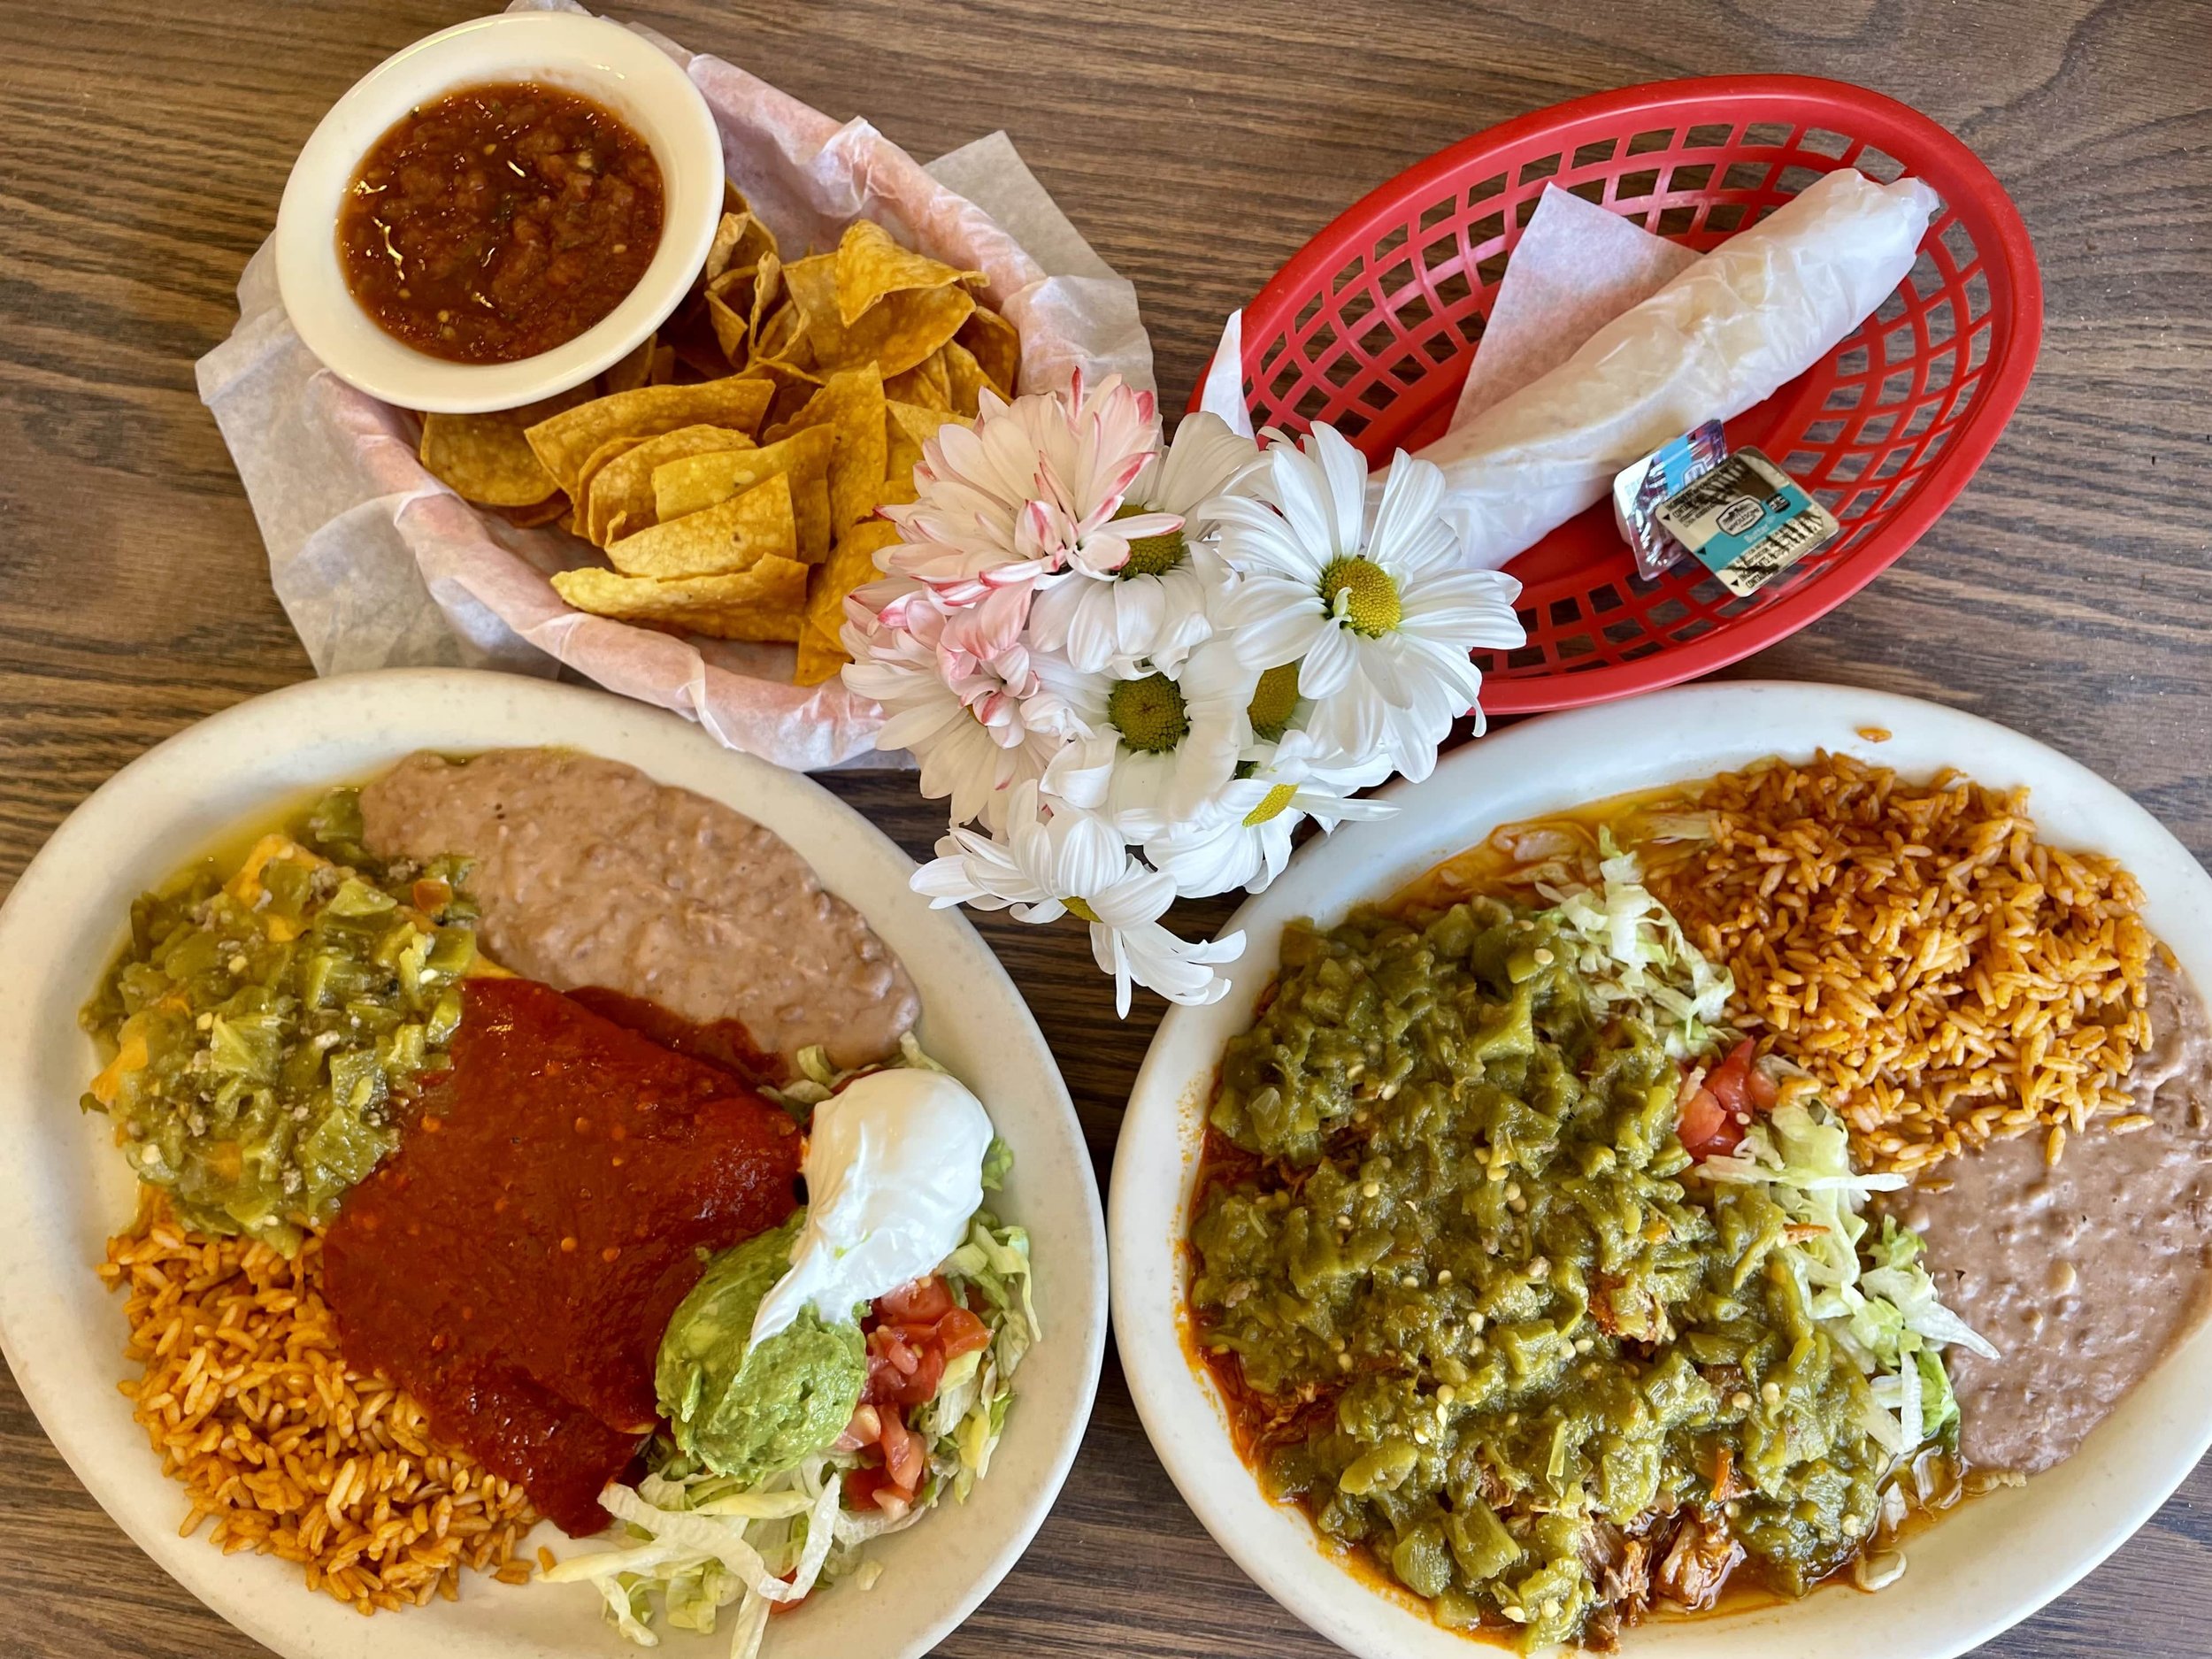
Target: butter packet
point(1638, 490)
point(1747, 521)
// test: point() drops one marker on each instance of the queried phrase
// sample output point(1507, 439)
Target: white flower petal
point(1203, 461)
point(1344, 471)
point(1091, 860)
point(1138, 897)
point(1328, 664)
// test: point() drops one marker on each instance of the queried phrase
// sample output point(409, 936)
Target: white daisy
point(1243, 839)
point(961, 716)
point(1067, 862)
point(1372, 608)
point(1154, 604)
point(1147, 749)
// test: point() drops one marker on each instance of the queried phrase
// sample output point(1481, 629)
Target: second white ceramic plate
point(63, 1189)
point(1987, 1566)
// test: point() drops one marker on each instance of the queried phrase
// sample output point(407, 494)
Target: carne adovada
point(1533, 1245)
point(505, 1251)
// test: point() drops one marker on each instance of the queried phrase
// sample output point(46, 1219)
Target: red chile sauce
point(514, 1264)
point(499, 222)
point(725, 1042)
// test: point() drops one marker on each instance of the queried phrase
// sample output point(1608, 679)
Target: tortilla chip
point(763, 601)
point(782, 338)
point(852, 405)
point(918, 424)
point(740, 240)
point(767, 291)
point(909, 427)
point(795, 389)
point(619, 499)
point(567, 440)
point(894, 334)
point(732, 535)
point(664, 370)
point(968, 380)
point(996, 346)
point(486, 458)
point(607, 452)
point(819, 656)
point(927, 384)
point(732, 198)
point(632, 370)
point(694, 483)
point(897, 487)
point(851, 563)
point(730, 331)
point(552, 507)
point(871, 267)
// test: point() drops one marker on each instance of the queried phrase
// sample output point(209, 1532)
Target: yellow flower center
point(1151, 555)
point(1273, 702)
point(1149, 713)
point(1368, 596)
point(1272, 804)
point(1076, 907)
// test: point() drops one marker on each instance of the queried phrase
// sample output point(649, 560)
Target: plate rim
point(446, 695)
point(1169, 1088)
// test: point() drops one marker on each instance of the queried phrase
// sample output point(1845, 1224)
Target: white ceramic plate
point(1976, 1572)
point(63, 1189)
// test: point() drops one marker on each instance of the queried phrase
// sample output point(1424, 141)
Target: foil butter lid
point(1639, 489)
point(1746, 520)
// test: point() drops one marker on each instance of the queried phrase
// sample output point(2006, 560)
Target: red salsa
point(500, 221)
point(514, 1264)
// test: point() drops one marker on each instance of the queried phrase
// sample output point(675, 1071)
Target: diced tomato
point(1705, 1128)
point(903, 1454)
point(925, 1302)
point(891, 1343)
point(865, 1486)
point(1731, 1080)
point(959, 1332)
point(1764, 1090)
point(1712, 1117)
point(865, 1428)
point(899, 1372)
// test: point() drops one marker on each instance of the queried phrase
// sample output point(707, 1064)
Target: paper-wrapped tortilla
point(1758, 311)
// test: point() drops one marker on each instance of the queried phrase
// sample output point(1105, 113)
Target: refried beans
point(589, 873)
point(2086, 1275)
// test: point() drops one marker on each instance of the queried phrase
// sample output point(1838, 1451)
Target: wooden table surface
point(2066, 593)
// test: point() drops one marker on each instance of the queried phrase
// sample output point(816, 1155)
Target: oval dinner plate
point(1979, 1570)
point(63, 1189)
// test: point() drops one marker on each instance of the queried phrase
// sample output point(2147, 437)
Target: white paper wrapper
point(1576, 268)
point(1758, 311)
point(380, 565)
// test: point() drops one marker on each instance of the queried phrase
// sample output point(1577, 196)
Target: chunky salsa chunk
point(500, 221)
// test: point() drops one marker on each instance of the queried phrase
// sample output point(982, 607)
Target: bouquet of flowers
point(1134, 667)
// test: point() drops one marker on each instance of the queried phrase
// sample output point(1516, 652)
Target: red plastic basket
point(1372, 325)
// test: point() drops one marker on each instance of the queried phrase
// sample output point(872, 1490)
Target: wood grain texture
point(2068, 593)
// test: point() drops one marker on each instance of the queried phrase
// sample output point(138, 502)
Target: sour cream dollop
point(894, 1170)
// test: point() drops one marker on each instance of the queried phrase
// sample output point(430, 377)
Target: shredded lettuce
point(703, 1542)
point(1632, 950)
point(1875, 1300)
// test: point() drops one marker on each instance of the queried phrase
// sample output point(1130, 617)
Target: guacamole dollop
point(752, 1411)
